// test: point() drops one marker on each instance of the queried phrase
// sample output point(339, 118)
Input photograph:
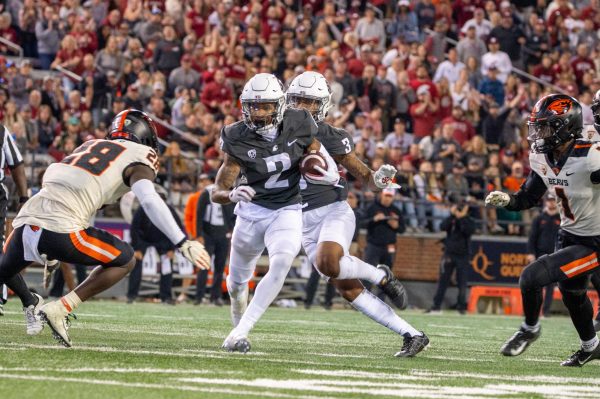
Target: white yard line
point(154, 386)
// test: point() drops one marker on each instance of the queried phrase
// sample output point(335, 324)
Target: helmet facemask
point(263, 115)
point(316, 106)
point(545, 137)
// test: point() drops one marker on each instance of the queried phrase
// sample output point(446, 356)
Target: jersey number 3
point(95, 158)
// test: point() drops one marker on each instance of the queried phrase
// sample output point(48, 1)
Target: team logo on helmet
point(561, 106)
point(252, 153)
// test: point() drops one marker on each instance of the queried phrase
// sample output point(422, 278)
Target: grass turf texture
point(154, 351)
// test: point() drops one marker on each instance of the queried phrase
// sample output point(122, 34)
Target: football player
point(329, 222)
point(568, 167)
point(54, 224)
point(264, 151)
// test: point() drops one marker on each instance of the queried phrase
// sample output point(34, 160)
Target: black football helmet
point(134, 125)
point(554, 120)
point(596, 111)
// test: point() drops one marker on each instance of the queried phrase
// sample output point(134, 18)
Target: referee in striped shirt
point(10, 157)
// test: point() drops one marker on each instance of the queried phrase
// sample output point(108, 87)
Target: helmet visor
point(539, 131)
point(260, 113)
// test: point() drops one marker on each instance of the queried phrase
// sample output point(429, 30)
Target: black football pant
point(449, 264)
point(311, 289)
point(570, 266)
point(219, 248)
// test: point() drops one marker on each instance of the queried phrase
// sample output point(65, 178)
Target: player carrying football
point(329, 222)
point(263, 153)
point(54, 224)
point(569, 167)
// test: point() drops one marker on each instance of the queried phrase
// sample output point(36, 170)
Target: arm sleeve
point(158, 212)
point(529, 194)
point(11, 152)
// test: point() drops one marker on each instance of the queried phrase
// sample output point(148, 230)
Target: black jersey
point(271, 168)
point(336, 142)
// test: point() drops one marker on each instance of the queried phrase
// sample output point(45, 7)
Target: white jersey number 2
point(271, 162)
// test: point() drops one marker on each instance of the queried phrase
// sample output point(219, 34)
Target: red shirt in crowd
point(463, 129)
point(545, 74)
point(198, 22)
point(86, 41)
point(580, 66)
point(214, 91)
point(423, 124)
point(416, 83)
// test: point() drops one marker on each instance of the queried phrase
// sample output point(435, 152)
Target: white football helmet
point(310, 91)
point(263, 102)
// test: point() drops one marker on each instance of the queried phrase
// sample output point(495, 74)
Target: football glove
point(330, 177)
point(242, 194)
point(497, 198)
point(384, 177)
point(195, 253)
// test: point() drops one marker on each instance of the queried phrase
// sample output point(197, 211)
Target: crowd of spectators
point(426, 85)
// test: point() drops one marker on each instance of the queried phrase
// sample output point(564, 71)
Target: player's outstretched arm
point(140, 178)
point(375, 180)
point(527, 197)
point(223, 191)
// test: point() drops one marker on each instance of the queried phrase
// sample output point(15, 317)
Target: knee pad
point(535, 276)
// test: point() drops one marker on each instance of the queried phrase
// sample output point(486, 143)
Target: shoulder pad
point(581, 148)
point(234, 131)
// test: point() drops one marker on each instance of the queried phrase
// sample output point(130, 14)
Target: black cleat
point(519, 342)
point(581, 357)
point(413, 345)
point(393, 288)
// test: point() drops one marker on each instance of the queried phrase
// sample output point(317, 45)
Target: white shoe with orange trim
point(55, 315)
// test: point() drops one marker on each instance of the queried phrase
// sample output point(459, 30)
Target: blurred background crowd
point(440, 89)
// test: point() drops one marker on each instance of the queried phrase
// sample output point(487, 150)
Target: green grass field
point(154, 351)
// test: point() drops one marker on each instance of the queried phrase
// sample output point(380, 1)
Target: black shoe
point(130, 301)
point(462, 311)
point(1, 309)
point(170, 302)
point(217, 302)
point(413, 345)
point(393, 288)
point(327, 306)
point(519, 342)
point(581, 357)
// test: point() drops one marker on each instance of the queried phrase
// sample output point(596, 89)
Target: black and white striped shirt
point(10, 155)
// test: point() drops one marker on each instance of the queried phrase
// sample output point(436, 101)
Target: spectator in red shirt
point(216, 92)
point(422, 78)
point(582, 63)
point(424, 113)
point(69, 57)
point(195, 19)
point(463, 130)
point(85, 38)
point(545, 70)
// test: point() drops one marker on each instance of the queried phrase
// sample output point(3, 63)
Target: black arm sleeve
point(529, 194)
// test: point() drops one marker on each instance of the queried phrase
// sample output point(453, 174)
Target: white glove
point(384, 177)
point(195, 253)
point(242, 193)
point(497, 198)
point(330, 177)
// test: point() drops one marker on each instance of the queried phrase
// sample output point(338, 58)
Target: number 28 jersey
point(74, 189)
point(271, 168)
point(578, 198)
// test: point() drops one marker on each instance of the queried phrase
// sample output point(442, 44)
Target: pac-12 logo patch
point(252, 153)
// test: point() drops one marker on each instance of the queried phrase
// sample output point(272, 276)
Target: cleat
point(413, 345)
point(33, 321)
point(239, 303)
point(393, 288)
point(55, 315)
point(519, 342)
point(49, 267)
point(581, 357)
point(236, 344)
point(433, 311)
point(1, 309)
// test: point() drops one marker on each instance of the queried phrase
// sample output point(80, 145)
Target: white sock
point(70, 301)
point(590, 345)
point(353, 268)
point(527, 327)
point(265, 293)
point(377, 310)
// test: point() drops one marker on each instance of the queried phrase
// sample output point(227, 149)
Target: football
point(308, 163)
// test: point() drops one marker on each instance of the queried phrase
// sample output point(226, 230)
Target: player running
point(263, 151)
point(329, 222)
point(54, 224)
point(569, 167)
